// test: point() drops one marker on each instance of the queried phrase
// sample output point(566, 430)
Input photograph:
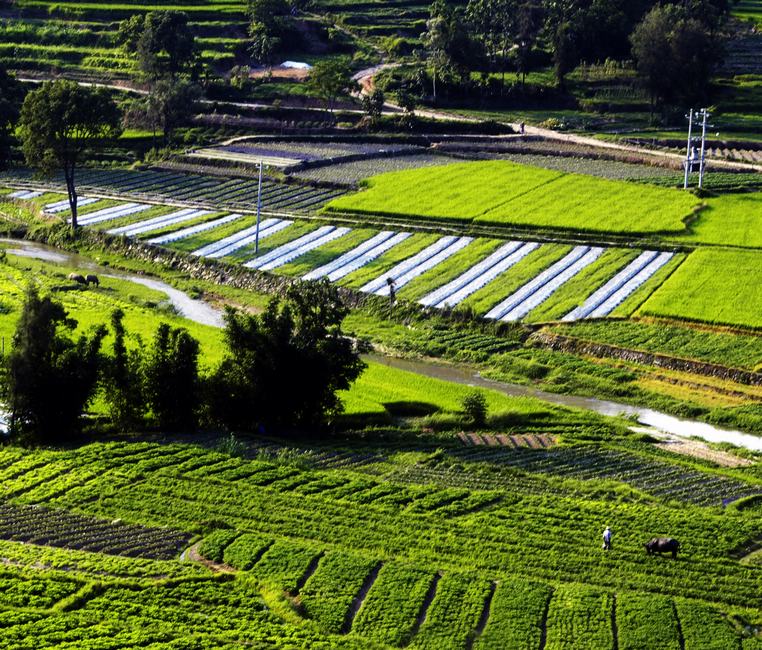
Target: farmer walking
point(607, 539)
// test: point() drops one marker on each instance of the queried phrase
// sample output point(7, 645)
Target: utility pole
point(702, 161)
point(690, 153)
point(687, 163)
point(259, 208)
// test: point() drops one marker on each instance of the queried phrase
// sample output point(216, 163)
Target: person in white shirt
point(607, 539)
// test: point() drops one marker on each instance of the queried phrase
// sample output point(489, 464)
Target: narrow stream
point(201, 312)
point(660, 421)
point(195, 310)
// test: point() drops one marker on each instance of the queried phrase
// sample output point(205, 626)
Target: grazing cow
point(663, 545)
point(78, 278)
point(93, 279)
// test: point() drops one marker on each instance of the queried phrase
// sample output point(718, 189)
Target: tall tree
point(675, 55)
point(495, 24)
point(528, 25)
point(123, 377)
point(10, 101)
point(162, 41)
point(285, 366)
point(330, 80)
point(171, 378)
point(50, 375)
point(60, 122)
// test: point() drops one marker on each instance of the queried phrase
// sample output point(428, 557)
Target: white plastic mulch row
point(439, 297)
point(371, 255)
point(114, 212)
point(477, 283)
point(25, 194)
point(414, 266)
point(540, 288)
point(612, 286)
point(193, 230)
point(290, 251)
point(349, 256)
point(242, 238)
point(616, 298)
point(133, 229)
point(63, 206)
point(359, 256)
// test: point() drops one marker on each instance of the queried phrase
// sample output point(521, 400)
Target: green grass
point(93, 306)
point(382, 387)
point(721, 287)
point(508, 194)
point(729, 220)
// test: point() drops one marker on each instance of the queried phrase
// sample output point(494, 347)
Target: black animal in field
point(663, 545)
point(85, 280)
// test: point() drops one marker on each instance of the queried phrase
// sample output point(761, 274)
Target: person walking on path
point(607, 539)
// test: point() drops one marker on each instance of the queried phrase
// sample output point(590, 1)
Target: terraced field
point(507, 194)
point(80, 37)
point(508, 281)
point(708, 287)
point(440, 566)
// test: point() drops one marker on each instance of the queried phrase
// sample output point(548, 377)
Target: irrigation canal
point(203, 313)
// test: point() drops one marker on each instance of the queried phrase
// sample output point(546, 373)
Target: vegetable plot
point(358, 257)
point(541, 287)
point(242, 238)
point(414, 266)
point(294, 249)
point(172, 219)
point(108, 214)
point(503, 258)
point(193, 230)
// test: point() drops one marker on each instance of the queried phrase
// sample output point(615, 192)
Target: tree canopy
point(10, 100)
point(50, 376)
point(285, 366)
point(162, 41)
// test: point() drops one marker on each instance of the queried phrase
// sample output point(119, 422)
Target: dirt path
point(193, 555)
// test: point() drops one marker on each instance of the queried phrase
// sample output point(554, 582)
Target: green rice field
point(721, 287)
point(508, 194)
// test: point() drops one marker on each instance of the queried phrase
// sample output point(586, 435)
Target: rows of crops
point(507, 194)
point(662, 479)
point(203, 190)
point(424, 572)
point(505, 281)
point(81, 36)
point(39, 525)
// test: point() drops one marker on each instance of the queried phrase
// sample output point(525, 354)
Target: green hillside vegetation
point(712, 286)
point(509, 194)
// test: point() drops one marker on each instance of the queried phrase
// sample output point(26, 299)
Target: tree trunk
point(72, 192)
point(434, 81)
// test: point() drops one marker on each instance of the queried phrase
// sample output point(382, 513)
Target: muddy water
point(195, 310)
point(660, 421)
point(201, 312)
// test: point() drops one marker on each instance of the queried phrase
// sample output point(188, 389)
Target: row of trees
point(500, 34)
point(282, 369)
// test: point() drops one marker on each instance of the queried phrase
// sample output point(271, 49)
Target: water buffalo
point(663, 545)
point(78, 278)
point(92, 279)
